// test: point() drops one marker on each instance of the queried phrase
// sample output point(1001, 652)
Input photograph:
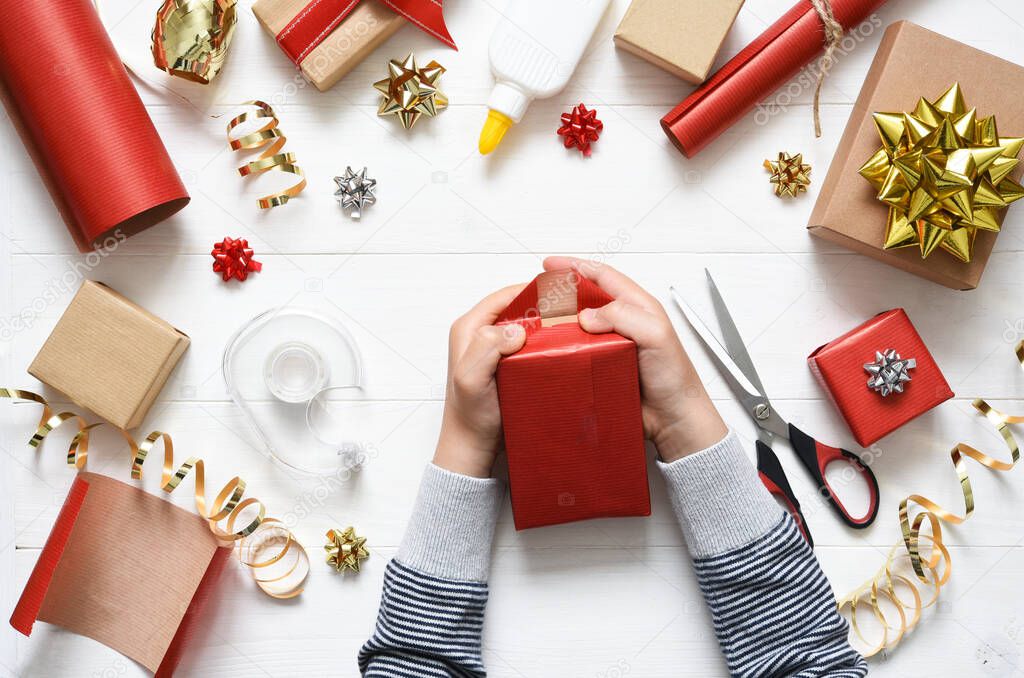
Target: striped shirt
point(427, 626)
point(772, 608)
point(774, 611)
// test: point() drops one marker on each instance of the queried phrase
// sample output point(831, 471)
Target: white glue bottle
point(534, 51)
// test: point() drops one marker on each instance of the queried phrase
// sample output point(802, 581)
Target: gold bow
point(411, 92)
point(944, 174)
point(345, 549)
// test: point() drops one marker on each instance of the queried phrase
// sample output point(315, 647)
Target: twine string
point(833, 36)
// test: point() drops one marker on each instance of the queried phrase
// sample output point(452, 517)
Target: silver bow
point(889, 372)
point(355, 191)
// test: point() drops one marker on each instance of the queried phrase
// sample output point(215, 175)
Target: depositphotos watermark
point(59, 287)
point(339, 44)
point(617, 670)
point(118, 668)
point(1013, 330)
point(559, 292)
point(313, 499)
point(336, 47)
point(807, 78)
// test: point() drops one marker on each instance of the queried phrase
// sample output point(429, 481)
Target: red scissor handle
point(774, 478)
point(817, 456)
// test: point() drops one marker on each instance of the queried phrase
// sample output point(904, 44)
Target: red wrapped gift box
point(570, 407)
point(839, 366)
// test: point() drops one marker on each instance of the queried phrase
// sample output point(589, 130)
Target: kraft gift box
point(679, 36)
point(109, 355)
point(368, 25)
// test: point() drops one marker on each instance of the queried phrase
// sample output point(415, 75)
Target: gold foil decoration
point(789, 174)
point(920, 573)
point(279, 564)
point(345, 549)
point(410, 92)
point(270, 138)
point(191, 37)
point(944, 173)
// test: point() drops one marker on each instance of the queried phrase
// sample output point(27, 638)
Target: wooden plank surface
point(604, 598)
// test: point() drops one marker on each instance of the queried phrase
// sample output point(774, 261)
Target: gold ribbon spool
point(279, 564)
point(932, 569)
point(271, 137)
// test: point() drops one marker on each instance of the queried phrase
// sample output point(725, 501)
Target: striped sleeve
point(427, 626)
point(774, 611)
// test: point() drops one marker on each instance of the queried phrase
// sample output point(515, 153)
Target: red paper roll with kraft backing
point(82, 121)
point(759, 69)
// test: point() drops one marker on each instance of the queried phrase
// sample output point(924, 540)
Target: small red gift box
point(570, 407)
point(840, 366)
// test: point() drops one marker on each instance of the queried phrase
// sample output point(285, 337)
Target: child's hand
point(471, 426)
point(679, 417)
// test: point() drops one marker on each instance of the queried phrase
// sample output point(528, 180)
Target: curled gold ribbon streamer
point(932, 568)
point(271, 158)
point(278, 562)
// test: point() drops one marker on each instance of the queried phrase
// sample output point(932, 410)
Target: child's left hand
point(471, 426)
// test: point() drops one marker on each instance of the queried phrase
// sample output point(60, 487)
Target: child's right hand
point(471, 425)
point(679, 417)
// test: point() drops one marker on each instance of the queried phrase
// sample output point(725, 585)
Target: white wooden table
point(603, 598)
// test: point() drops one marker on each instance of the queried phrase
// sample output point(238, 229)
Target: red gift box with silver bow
point(570, 408)
point(880, 375)
point(327, 38)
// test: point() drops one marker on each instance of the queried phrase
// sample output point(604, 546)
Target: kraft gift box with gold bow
point(915, 64)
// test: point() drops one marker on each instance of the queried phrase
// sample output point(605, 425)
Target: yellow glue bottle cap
point(494, 129)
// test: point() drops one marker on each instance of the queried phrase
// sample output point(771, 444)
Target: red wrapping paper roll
point(762, 67)
point(83, 122)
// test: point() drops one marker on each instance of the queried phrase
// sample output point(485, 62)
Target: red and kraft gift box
point(839, 366)
point(327, 38)
point(570, 407)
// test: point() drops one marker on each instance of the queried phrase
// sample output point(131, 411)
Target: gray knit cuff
point(451, 529)
point(719, 499)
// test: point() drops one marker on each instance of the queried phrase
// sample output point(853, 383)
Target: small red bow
point(233, 259)
point(580, 128)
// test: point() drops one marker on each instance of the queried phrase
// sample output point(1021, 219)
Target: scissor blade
point(734, 375)
point(734, 343)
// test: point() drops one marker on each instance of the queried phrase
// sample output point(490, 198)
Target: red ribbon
point(233, 259)
point(315, 22)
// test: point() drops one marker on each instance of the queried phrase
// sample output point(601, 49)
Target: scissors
point(734, 362)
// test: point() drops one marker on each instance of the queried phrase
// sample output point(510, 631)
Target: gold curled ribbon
point(933, 568)
point(280, 564)
point(271, 137)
